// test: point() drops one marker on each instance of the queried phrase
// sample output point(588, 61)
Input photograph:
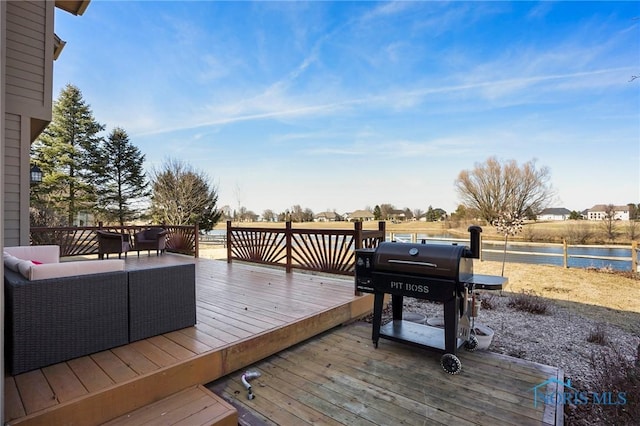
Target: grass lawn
point(604, 296)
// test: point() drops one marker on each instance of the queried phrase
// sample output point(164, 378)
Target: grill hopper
point(441, 261)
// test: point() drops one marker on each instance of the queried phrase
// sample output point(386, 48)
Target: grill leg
point(378, 300)
point(451, 325)
point(396, 306)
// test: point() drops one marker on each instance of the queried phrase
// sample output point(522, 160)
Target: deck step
point(193, 406)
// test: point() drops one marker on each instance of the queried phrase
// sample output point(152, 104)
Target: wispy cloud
point(270, 105)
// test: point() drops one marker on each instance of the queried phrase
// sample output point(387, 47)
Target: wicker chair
point(150, 239)
point(112, 242)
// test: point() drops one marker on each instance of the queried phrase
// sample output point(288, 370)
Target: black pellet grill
point(436, 272)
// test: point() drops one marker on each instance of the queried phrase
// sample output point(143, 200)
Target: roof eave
point(75, 7)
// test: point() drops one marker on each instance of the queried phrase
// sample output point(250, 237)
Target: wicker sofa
point(56, 311)
point(50, 320)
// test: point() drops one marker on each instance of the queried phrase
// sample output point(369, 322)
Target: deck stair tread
point(193, 406)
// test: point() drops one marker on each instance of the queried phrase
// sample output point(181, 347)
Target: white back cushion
point(43, 254)
point(68, 269)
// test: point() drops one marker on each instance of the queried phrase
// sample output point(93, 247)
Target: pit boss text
point(419, 288)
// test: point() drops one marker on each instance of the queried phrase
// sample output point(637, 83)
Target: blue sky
point(344, 105)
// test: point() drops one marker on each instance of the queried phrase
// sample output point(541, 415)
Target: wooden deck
point(246, 314)
point(339, 378)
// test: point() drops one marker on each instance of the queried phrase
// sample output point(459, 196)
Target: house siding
point(598, 212)
point(28, 69)
point(12, 169)
point(27, 56)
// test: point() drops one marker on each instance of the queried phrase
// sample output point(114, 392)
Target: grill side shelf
point(488, 282)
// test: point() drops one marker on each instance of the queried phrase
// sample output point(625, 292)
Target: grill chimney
point(474, 232)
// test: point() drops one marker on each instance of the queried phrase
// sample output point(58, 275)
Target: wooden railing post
point(196, 238)
point(357, 229)
point(288, 239)
point(229, 241)
point(634, 256)
point(382, 227)
point(565, 253)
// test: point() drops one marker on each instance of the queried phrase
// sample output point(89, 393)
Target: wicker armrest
point(161, 300)
point(54, 320)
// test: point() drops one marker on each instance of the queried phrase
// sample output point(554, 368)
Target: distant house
point(599, 212)
point(327, 217)
point(360, 215)
point(397, 216)
point(555, 213)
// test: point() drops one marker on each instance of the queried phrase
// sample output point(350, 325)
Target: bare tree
point(417, 213)
point(269, 215)
point(633, 229)
point(386, 210)
point(182, 195)
point(237, 193)
point(609, 222)
point(296, 214)
point(492, 188)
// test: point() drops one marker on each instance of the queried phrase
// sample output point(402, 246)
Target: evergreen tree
point(183, 196)
point(431, 215)
point(68, 154)
point(377, 213)
point(122, 181)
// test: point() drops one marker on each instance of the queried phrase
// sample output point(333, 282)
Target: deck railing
point(322, 250)
point(82, 240)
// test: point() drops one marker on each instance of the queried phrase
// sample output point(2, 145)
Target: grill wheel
point(472, 344)
point(451, 363)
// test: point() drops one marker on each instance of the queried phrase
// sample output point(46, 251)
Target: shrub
point(528, 234)
point(488, 301)
point(598, 336)
point(528, 302)
point(579, 233)
point(614, 373)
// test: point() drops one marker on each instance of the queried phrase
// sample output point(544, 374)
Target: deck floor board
point(341, 371)
point(90, 374)
point(64, 383)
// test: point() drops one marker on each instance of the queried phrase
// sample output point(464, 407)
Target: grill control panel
point(364, 270)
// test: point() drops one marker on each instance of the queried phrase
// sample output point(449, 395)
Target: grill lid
point(429, 260)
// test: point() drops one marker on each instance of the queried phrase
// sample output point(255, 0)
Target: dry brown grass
point(601, 295)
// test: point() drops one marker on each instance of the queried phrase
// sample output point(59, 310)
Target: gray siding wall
point(11, 168)
point(27, 62)
point(26, 44)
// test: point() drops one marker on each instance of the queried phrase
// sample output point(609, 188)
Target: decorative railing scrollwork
point(82, 240)
point(322, 250)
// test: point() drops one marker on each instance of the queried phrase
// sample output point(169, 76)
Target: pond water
point(541, 257)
